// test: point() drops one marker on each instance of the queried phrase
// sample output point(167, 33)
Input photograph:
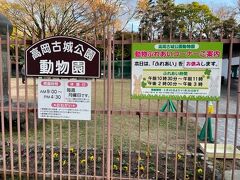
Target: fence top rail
point(130, 41)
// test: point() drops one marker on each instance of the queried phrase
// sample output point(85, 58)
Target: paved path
point(222, 110)
point(228, 174)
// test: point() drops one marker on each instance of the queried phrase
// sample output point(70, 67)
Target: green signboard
point(180, 71)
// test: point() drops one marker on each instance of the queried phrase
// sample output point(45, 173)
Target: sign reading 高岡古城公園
point(62, 56)
point(180, 71)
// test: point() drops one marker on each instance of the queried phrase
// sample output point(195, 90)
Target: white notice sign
point(64, 99)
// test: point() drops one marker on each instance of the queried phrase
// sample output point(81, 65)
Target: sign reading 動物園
point(61, 57)
point(177, 71)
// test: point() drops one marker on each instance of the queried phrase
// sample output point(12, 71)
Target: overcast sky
point(213, 4)
point(210, 2)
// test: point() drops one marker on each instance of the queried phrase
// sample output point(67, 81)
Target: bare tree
point(42, 18)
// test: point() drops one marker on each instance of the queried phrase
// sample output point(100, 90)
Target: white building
point(235, 66)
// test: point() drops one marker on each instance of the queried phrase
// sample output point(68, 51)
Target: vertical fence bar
point(236, 124)
point(18, 108)
point(35, 128)
point(167, 118)
point(44, 138)
point(205, 142)
point(112, 100)
point(139, 122)
point(95, 118)
point(104, 101)
point(44, 149)
point(2, 112)
point(121, 102)
point(176, 144)
point(103, 143)
point(95, 128)
point(10, 103)
point(130, 131)
point(86, 142)
point(215, 142)
point(78, 146)
point(157, 148)
point(221, 39)
point(121, 144)
point(206, 131)
point(26, 116)
point(35, 123)
point(60, 148)
point(158, 124)
point(196, 140)
point(130, 143)
point(139, 137)
point(52, 150)
point(69, 146)
point(181, 121)
point(109, 107)
point(166, 148)
point(113, 67)
point(196, 130)
point(228, 99)
point(86, 148)
point(148, 152)
point(186, 141)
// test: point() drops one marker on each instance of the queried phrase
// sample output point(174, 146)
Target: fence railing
point(126, 138)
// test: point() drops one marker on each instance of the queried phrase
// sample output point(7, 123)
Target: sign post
point(170, 105)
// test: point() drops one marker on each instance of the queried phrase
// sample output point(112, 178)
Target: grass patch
point(130, 132)
point(127, 131)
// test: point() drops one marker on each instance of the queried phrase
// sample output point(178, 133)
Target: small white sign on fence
point(64, 99)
